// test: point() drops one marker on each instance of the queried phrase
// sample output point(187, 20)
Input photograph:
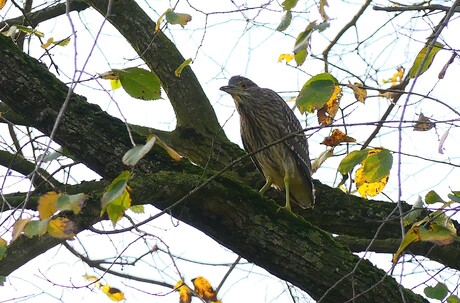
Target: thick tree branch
point(47, 13)
point(192, 108)
point(408, 8)
point(239, 218)
point(86, 131)
point(446, 255)
point(198, 133)
point(17, 163)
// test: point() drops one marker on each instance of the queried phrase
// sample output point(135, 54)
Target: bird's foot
point(286, 208)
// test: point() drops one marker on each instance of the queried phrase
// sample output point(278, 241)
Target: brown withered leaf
point(336, 138)
point(327, 113)
point(423, 123)
point(358, 90)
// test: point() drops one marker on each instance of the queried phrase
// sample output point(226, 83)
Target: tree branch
point(239, 218)
point(47, 13)
point(446, 255)
point(408, 8)
point(192, 108)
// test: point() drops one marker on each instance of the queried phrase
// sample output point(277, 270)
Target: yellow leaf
point(368, 189)
point(115, 84)
point(374, 172)
point(171, 152)
point(327, 113)
point(286, 57)
point(203, 289)
point(2, 3)
point(62, 228)
point(47, 204)
point(336, 138)
point(47, 43)
point(113, 293)
point(358, 90)
point(397, 77)
point(18, 227)
point(185, 293)
point(184, 64)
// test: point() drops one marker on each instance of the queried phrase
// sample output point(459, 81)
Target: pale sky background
point(232, 46)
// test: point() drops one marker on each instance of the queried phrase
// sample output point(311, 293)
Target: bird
point(265, 118)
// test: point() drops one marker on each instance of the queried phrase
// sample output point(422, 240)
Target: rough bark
point(227, 210)
point(239, 218)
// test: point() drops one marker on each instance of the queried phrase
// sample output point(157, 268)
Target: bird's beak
point(229, 89)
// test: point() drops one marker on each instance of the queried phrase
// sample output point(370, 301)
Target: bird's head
point(239, 87)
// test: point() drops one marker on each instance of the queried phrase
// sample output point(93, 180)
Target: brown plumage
point(264, 118)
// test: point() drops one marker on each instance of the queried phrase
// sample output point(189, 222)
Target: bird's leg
point(267, 185)
point(286, 186)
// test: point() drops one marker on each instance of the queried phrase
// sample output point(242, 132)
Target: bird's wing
point(298, 144)
point(248, 148)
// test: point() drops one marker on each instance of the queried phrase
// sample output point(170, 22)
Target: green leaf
point(303, 39)
point(300, 57)
point(377, 166)
point(351, 160)
point(2, 279)
point(438, 292)
point(3, 245)
point(63, 42)
point(421, 57)
point(116, 188)
point(184, 64)
point(36, 228)
point(285, 21)
point(438, 234)
point(289, 4)
point(139, 83)
point(118, 206)
point(136, 153)
point(454, 196)
point(137, 209)
point(71, 202)
point(316, 92)
point(415, 212)
point(29, 30)
point(177, 18)
point(452, 299)
point(432, 197)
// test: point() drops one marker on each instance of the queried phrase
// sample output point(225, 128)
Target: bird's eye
point(243, 85)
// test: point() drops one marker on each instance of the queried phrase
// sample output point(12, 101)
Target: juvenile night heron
point(264, 118)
